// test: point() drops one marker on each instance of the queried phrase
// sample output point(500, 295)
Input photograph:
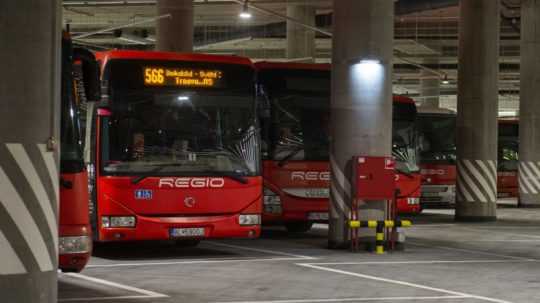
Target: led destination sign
point(182, 77)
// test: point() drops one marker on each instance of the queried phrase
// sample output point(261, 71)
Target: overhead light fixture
point(245, 14)
point(445, 80)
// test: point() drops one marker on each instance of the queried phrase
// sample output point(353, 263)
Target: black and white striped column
point(476, 190)
point(361, 106)
point(529, 109)
point(29, 125)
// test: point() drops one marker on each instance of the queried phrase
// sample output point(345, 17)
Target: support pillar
point(476, 135)
point(529, 120)
point(430, 87)
point(300, 40)
point(175, 34)
point(361, 105)
point(29, 117)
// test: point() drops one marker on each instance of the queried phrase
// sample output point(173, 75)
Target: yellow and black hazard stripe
point(379, 229)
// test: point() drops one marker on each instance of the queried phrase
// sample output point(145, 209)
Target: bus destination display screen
point(182, 77)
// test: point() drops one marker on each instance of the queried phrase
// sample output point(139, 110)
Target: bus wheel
point(298, 227)
point(188, 242)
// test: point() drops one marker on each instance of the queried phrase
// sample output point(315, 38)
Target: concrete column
point(529, 120)
point(175, 34)
point(300, 40)
point(477, 110)
point(430, 86)
point(29, 118)
point(361, 106)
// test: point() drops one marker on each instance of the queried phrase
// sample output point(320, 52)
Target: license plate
point(318, 216)
point(186, 232)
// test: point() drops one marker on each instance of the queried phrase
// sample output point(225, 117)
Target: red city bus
point(437, 128)
point(175, 148)
point(295, 120)
point(75, 240)
point(507, 162)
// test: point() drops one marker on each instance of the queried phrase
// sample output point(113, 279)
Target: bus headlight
point(127, 221)
point(271, 202)
point(249, 219)
point(413, 201)
point(73, 245)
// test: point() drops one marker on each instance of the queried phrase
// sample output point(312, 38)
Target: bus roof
point(403, 99)
point(154, 55)
point(292, 65)
point(435, 110)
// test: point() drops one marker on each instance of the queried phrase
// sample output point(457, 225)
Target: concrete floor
point(443, 262)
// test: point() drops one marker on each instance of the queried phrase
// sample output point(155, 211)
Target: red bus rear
point(175, 148)
point(295, 119)
point(74, 227)
point(508, 149)
point(437, 129)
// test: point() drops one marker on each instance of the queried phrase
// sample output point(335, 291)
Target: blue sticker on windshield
point(143, 194)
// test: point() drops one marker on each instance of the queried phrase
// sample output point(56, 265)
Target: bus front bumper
point(438, 196)
point(178, 228)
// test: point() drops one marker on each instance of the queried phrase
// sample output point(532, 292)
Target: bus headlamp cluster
point(271, 202)
point(118, 221)
point(249, 219)
point(74, 245)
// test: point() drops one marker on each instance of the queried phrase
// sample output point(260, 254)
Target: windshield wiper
point(289, 156)
point(151, 173)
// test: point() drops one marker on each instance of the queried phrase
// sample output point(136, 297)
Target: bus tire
point(298, 227)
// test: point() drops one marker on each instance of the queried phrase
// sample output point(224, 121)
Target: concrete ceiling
point(428, 37)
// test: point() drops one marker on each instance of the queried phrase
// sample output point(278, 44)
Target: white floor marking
point(142, 292)
point(403, 283)
point(433, 225)
point(91, 299)
point(479, 252)
point(205, 261)
point(522, 240)
point(268, 251)
point(425, 262)
point(517, 235)
point(354, 299)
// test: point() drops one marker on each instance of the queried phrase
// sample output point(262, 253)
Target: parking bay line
point(426, 262)
point(268, 251)
point(403, 283)
point(204, 261)
point(143, 293)
point(354, 299)
point(473, 251)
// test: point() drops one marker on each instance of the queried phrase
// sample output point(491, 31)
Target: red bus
point(175, 148)
point(295, 118)
point(507, 162)
point(437, 128)
point(75, 240)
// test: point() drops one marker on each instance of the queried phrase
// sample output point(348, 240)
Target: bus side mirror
point(90, 73)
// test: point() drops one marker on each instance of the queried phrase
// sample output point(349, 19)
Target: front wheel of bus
point(298, 227)
point(188, 243)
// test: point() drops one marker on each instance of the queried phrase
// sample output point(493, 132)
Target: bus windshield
point(299, 123)
point(508, 147)
point(71, 156)
point(181, 131)
point(300, 108)
point(437, 138)
point(405, 137)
